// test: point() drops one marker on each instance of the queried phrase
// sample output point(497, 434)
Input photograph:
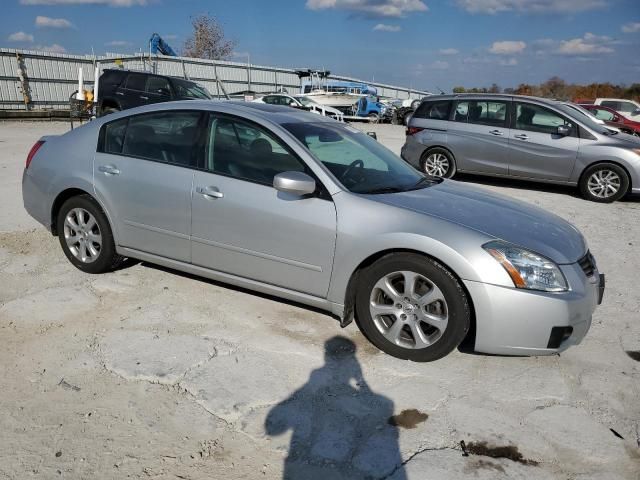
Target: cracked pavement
point(150, 373)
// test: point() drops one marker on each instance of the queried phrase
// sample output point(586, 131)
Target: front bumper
point(511, 321)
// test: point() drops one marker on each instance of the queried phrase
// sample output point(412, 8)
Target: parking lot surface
point(150, 373)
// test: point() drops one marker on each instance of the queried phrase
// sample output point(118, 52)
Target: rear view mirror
point(327, 136)
point(296, 183)
point(564, 131)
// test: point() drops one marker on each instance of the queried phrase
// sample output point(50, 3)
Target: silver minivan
point(522, 137)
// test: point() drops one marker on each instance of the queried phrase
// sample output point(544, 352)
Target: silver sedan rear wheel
point(82, 235)
point(604, 183)
point(409, 309)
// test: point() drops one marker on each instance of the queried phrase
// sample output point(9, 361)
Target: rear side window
point(113, 136)
point(167, 137)
point(434, 110)
point(136, 81)
point(481, 112)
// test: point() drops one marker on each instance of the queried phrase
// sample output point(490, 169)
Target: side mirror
point(564, 131)
point(164, 92)
point(293, 104)
point(373, 135)
point(296, 183)
point(616, 118)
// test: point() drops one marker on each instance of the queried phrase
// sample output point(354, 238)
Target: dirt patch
point(509, 452)
point(24, 243)
point(634, 355)
point(408, 418)
point(481, 464)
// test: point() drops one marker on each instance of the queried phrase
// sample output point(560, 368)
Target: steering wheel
point(355, 164)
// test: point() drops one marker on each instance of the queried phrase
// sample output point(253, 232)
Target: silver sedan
point(305, 208)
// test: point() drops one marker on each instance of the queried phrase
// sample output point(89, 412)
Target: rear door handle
point(496, 132)
point(522, 136)
point(109, 170)
point(210, 192)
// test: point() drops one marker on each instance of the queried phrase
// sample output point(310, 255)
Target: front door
point(535, 148)
point(243, 226)
point(143, 174)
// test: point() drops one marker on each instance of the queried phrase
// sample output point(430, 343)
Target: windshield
point(187, 89)
point(586, 120)
point(358, 161)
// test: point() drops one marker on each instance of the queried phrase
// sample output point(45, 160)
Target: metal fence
point(43, 80)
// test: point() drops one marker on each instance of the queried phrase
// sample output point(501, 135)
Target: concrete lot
point(148, 373)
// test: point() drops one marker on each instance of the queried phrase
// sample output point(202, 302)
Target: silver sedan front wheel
point(409, 309)
point(82, 235)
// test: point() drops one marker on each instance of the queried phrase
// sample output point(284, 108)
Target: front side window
point(136, 81)
point(356, 160)
point(481, 112)
point(158, 85)
point(627, 107)
point(434, 110)
point(611, 104)
point(535, 118)
point(167, 137)
point(605, 115)
point(185, 89)
point(245, 151)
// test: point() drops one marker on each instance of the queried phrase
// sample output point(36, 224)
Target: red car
point(613, 118)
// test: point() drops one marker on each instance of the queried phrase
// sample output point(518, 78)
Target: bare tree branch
point(208, 40)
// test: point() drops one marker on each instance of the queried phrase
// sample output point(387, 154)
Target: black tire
point(106, 259)
point(457, 306)
point(451, 169)
point(109, 110)
point(589, 187)
point(373, 117)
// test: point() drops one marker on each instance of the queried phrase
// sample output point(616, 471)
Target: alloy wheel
point(604, 183)
point(408, 309)
point(82, 235)
point(437, 165)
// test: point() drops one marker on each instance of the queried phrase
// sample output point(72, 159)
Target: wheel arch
point(468, 342)
point(613, 162)
point(66, 195)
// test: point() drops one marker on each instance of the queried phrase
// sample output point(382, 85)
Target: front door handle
point(119, 93)
point(210, 192)
point(143, 97)
point(522, 136)
point(496, 132)
point(109, 169)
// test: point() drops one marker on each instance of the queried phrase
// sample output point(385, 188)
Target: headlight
point(527, 269)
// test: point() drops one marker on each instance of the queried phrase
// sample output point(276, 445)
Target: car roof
point(126, 70)
point(493, 96)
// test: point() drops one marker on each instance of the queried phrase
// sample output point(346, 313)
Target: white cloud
point(111, 3)
point(382, 27)
point(52, 22)
point(55, 48)
point(632, 27)
point(439, 65)
point(507, 47)
point(448, 51)
point(117, 43)
point(371, 8)
point(20, 37)
point(588, 45)
point(530, 6)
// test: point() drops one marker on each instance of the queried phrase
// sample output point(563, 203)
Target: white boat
point(340, 94)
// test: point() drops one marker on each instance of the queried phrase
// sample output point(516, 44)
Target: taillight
point(33, 151)
point(413, 130)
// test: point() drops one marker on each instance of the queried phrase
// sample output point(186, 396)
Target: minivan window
point(247, 152)
point(535, 118)
point(136, 81)
point(167, 137)
point(482, 112)
point(434, 110)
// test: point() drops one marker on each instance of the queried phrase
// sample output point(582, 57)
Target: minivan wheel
point(438, 162)
point(85, 235)
point(604, 183)
point(412, 307)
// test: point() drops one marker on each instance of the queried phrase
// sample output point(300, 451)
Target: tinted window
point(167, 137)
point(438, 110)
point(158, 85)
point(245, 151)
point(113, 136)
point(270, 99)
point(136, 81)
point(481, 112)
point(111, 77)
point(186, 89)
point(535, 118)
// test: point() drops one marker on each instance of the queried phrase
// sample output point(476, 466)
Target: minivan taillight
point(413, 130)
point(33, 151)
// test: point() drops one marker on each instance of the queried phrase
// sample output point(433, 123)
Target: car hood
point(497, 216)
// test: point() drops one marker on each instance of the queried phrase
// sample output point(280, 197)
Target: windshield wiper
point(383, 190)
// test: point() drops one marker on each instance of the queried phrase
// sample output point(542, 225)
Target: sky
point(423, 44)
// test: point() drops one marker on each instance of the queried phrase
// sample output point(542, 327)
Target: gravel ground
point(149, 373)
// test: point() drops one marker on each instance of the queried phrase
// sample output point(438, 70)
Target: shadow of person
point(340, 428)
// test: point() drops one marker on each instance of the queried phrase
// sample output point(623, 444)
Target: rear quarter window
point(112, 136)
point(434, 110)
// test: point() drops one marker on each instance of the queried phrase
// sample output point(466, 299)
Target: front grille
point(588, 264)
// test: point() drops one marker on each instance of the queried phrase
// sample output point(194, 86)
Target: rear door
point(535, 148)
point(478, 136)
point(132, 92)
point(143, 174)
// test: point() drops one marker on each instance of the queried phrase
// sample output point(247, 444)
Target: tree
point(458, 90)
point(555, 87)
point(494, 88)
point(208, 40)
